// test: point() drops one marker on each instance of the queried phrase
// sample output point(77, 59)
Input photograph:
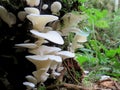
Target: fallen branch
point(66, 85)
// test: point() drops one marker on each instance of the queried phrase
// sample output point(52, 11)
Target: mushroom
point(21, 15)
point(33, 2)
point(43, 50)
point(40, 61)
point(66, 31)
point(56, 7)
point(42, 64)
point(29, 85)
point(71, 20)
point(66, 54)
point(7, 17)
point(11, 19)
point(43, 61)
point(41, 75)
point(75, 45)
point(31, 79)
point(39, 21)
point(45, 6)
point(31, 10)
point(80, 39)
point(52, 36)
point(26, 45)
point(41, 41)
point(3, 11)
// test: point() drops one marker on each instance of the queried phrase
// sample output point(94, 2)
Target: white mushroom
point(29, 85)
point(43, 61)
point(56, 7)
point(31, 10)
point(43, 50)
point(33, 2)
point(31, 79)
point(75, 45)
point(40, 61)
point(21, 15)
point(45, 6)
point(39, 21)
point(26, 45)
point(71, 20)
point(52, 36)
point(41, 75)
point(59, 69)
point(66, 54)
point(7, 17)
point(55, 74)
point(40, 41)
point(3, 11)
point(11, 19)
point(79, 38)
point(66, 31)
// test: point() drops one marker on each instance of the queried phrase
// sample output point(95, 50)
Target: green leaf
point(111, 53)
point(42, 88)
point(81, 59)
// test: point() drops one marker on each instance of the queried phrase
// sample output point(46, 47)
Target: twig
point(60, 78)
point(116, 85)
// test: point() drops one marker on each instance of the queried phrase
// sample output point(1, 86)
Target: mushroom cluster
point(69, 25)
point(46, 29)
point(46, 58)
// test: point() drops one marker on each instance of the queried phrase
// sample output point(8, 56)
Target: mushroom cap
point(39, 21)
point(33, 2)
point(43, 61)
point(71, 20)
point(67, 30)
point(31, 10)
point(7, 17)
point(66, 54)
point(79, 38)
point(45, 6)
point(59, 69)
point(21, 15)
point(54, 74)
point(52, 36)
point(26, 45)
point(75, 45)
point(11, 18)
point(53, 65)
point(40, 61)
point(41, 75)
point(3, 11)
point(56, 6)
point(29, 85)
point(43, 50)
point(31, 79)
